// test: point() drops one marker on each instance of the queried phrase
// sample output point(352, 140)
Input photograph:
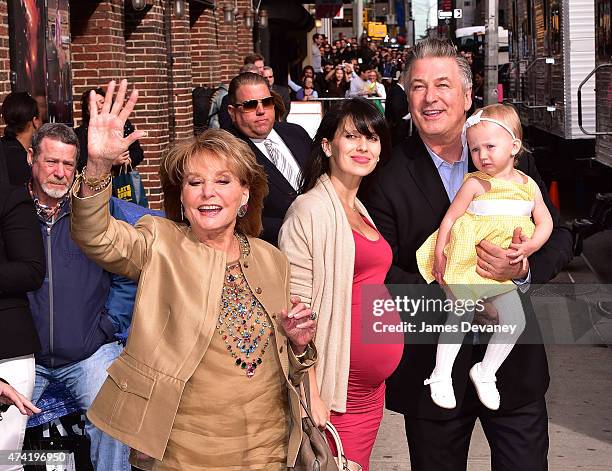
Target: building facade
point(161, 54)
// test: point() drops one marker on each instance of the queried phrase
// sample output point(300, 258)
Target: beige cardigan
point(318, 241)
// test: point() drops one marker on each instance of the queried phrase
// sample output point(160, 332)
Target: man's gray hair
point(57, 132)
point(249, 68)
point(267, 67)
point(433, 47)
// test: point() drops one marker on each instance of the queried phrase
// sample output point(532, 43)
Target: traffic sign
point(444, 14)
point(457, 13)
point(377, 30)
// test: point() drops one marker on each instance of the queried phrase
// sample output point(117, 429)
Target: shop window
point(555, 28)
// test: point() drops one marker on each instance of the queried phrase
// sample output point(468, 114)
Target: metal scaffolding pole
point(409, 23)
point(358, 19)
point(491, 53)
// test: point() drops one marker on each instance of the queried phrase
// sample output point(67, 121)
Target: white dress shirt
point(282, 147)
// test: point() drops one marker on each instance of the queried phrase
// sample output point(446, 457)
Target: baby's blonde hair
point(508, 115)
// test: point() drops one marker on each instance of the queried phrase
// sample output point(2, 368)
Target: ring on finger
point(313, 316)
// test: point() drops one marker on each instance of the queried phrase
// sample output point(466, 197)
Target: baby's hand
point(520, 252)
point(439, 268)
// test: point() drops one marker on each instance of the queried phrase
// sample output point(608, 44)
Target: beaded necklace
point(47, 213)
point(243, 323)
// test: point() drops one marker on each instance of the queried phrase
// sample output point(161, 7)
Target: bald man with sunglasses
point(281, 148)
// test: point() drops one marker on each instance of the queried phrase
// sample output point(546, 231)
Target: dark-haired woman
point(133, 156)
point(306, 91)
point(337, 82)
point(330, 262)
point(20, 113)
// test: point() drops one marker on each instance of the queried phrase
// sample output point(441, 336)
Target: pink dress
point(370, 364)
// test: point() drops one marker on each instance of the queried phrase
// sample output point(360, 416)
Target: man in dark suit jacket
point(281, 148)
point(396, 107)
point(408, 200)
point(282, 90)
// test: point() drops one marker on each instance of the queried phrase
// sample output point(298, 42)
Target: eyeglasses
point(248, 106)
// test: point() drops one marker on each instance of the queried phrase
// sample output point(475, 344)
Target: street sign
point(457, 13)
point(377, 30)
point(442, 15)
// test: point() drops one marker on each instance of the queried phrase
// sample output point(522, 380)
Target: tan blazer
point(180, 282)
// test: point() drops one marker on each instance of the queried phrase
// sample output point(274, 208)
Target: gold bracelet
point(96, 184)
point(301, 355)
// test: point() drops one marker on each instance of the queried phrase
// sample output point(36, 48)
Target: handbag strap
point(306, 405)
point(336, 436)
point(332, 430)
point(126, 168)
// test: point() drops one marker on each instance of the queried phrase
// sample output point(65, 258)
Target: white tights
point(510, 312)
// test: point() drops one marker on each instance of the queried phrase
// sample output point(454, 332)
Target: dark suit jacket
point(16, 161)
point(285, 94)
point(396, 107)
point(225, 120)
point(281, 193)
point(22, 269)
point(407, 201)
point(4, 173)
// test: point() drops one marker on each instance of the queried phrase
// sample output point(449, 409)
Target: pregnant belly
point(371, 364)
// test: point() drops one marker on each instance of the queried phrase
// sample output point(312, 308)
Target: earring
point(242, 210)
point(377, 159)
point(182, 214)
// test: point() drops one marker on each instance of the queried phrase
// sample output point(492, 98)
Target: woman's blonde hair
point(508, 115)
point(235, 153)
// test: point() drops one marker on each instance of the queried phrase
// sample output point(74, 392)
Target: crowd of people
point(251, 283)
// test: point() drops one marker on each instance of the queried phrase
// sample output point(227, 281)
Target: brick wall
point(97, 47)
point(147, 69)
point(182, 82)
point(164, 58)
point(204, 46)
point(5, 61)
point(217, 53)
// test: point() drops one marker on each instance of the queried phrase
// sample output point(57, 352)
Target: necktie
point(281, 162)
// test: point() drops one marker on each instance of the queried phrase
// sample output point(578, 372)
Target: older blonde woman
point(208, 377)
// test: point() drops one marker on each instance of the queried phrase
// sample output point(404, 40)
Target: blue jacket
point(120, 302)
point(71, 309)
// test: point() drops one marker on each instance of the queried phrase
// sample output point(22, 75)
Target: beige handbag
point(314, 453)
point(344, 464)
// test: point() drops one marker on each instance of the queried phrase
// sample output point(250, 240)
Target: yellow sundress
point(491, 216)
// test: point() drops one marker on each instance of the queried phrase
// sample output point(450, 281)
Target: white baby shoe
point(485, 387)
point(442, 392)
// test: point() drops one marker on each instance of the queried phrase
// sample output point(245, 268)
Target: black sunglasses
point(251, 105)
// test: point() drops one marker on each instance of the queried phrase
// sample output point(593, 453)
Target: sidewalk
point(580, 417)
point(579, 406)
